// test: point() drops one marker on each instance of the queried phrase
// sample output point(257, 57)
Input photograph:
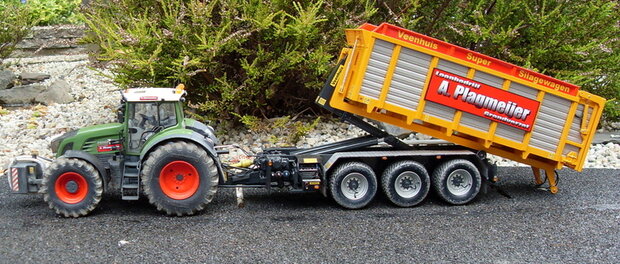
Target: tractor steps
point(130, 182)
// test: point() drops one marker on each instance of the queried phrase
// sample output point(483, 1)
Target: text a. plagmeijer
point(464, 92)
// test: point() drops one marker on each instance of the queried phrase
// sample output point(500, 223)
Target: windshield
point(147, 119)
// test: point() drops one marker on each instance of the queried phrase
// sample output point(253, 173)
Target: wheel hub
point(354, 186)
point(459, 182)
point(179, 180)
point(71, 186)
point(407, 184)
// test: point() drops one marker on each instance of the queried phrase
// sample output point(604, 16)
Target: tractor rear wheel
point(179, 178)
point(72, 187)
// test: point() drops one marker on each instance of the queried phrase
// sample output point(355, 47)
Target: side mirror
point(120, 113)
point(133, 130)
point(120, 116)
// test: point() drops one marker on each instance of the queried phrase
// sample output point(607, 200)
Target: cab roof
point(153, 94)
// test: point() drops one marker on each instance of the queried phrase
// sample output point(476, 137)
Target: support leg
point(553, 181)
point(239, 192)
point(537, 179)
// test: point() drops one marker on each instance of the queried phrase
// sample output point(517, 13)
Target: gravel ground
point(580, 224)
point(31, 129)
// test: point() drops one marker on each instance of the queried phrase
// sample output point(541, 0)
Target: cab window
point(146, 119)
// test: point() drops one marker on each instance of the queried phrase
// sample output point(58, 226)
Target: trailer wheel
point(405, 183)
point(72, 187)
point(179, 178)
point(353, 185)
point(457, 181)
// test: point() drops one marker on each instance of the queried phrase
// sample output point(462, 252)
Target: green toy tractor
point(152, 150)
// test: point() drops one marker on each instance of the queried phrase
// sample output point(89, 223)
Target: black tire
point(405, 183)
point(457, 181)
point(360, 178)
point(72, 187)
point(162, 193)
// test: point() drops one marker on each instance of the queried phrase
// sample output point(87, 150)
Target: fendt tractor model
point(470, 103)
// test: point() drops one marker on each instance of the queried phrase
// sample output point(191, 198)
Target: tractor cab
point(147, 111)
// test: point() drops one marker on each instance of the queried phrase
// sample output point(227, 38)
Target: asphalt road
point(581, 224)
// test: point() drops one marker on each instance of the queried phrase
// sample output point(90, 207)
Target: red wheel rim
point(179, 180)
point(71, 187)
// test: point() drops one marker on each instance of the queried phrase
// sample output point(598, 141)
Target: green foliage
point(612, 111)
point(53, 12)
point(301, 129)
point(14, 26)
point(249, 57)
point(269, 58)
point(3, 111)
point(251, 122)
point(289, 131)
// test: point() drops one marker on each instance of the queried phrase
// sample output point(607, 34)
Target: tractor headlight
point(56, 140)
point(55, 143)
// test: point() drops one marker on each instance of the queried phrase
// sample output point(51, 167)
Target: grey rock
point(6, 79)
point(48, 40)
point(23, 94)
point(58, 92)
point(394, 130)
point(32, 77)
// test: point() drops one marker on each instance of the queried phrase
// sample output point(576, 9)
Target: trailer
point(471, 103)
point(413, 81)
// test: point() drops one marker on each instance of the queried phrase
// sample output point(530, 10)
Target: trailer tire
point(72, 187)
point(350, 179)
point(457, 181)
point(179, 178)
point(405, 183)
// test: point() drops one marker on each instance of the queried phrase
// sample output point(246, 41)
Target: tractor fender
point(92, 159)
point(202, 129)
point(191, 137)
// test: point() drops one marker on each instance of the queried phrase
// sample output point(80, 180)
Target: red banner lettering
point(482, 100)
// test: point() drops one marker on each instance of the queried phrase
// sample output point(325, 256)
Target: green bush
point(248, 57)
point(54, 12)
point(14, 26)
point(268, 58)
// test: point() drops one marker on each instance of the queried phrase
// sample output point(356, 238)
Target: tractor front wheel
point(179, 178)
point(72, 187)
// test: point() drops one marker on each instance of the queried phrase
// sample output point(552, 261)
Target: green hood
point(86, 139)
